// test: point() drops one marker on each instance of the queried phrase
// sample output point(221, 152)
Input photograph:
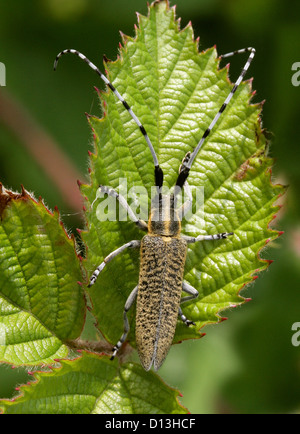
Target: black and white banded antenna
point(186, 166)
point(158, 171)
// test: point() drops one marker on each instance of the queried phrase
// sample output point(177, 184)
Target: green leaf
point(94, 384)
point(176, 91)
point(41, 301)
point(24, 340)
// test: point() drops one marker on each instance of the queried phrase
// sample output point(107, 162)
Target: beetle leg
point(122, 201)
point(193, 294)
point(186, 321)
point(129, 302)
point(132, 244)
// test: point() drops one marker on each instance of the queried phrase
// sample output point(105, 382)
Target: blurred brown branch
point(56, 164)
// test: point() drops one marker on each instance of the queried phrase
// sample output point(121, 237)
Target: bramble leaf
point(41, 302)
point(94, 384)
point(176, 91)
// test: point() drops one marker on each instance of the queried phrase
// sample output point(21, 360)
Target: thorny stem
point(98, 347)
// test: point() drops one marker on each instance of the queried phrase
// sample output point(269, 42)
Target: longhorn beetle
point(163, 250)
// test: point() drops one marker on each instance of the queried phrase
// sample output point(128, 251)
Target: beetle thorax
point(164, 219)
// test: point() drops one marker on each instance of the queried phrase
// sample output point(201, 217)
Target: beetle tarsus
point(188, 323)
point(115, 350)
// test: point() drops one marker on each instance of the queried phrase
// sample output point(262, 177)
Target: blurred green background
point(248, 363)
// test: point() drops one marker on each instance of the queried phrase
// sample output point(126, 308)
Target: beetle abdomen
point(159, 293)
